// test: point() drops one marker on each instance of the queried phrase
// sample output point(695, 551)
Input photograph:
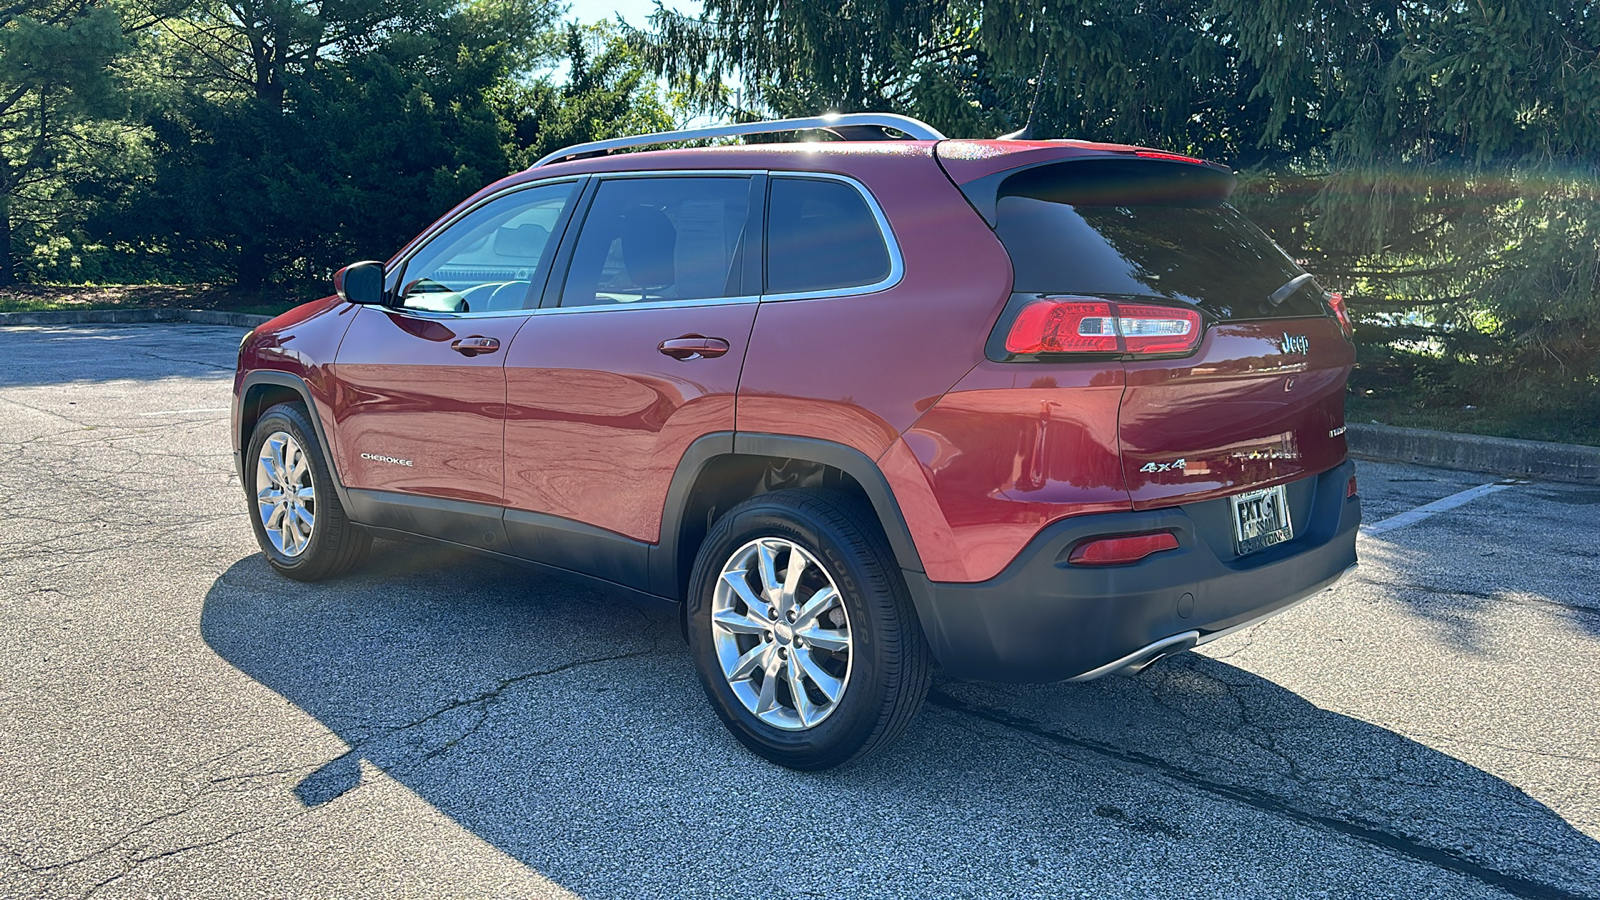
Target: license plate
point(1261, 519)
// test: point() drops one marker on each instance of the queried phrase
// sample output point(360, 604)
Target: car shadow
point(566, 728)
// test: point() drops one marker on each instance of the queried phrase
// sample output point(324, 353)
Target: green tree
point(56, 80)
point(293, 135)
point(1438, 159)
point(607, 93)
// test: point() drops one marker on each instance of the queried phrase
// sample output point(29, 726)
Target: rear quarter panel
point(1008, 450)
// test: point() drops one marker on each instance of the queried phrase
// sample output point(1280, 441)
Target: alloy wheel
point(285, 494)
point(782, 634)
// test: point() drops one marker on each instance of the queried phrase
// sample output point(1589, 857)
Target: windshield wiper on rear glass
point(1276, 298)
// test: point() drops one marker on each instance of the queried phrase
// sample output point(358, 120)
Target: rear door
point(634, 355)
point(1261, 400)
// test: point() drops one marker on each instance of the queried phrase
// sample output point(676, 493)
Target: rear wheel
point(802, 631)
point(298, 520)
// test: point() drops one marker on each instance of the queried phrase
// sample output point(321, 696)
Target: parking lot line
point(1411, 517)
point(176, 412)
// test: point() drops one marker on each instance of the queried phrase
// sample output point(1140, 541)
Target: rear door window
point(821, 236)
point(653, 240)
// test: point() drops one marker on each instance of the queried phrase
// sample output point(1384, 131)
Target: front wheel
point(802, 631)
point(298, 520)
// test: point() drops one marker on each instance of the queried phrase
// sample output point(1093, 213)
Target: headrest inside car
point(649, 245)
point(522, 241)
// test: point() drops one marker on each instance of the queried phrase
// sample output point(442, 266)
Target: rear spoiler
point(1089, 175)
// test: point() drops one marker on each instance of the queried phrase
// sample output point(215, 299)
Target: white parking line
point(179, 412)
point(1413, 516)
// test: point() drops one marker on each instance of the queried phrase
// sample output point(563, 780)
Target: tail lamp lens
point(1072, 327)
point(1102, 326)
point(1116, 551)
point(1341, 312)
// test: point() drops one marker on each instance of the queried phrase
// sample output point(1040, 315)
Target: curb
point(1507, 457)
point(131, 317)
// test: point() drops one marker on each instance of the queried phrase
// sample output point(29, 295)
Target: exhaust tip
point(1135, 668)
point(1140, 659)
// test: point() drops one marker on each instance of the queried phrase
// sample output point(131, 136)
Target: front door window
point(492, 260)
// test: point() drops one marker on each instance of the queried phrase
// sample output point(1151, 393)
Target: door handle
point(472, 346)
point(693, 346)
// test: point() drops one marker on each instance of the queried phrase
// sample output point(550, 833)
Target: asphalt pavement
point(176, 720)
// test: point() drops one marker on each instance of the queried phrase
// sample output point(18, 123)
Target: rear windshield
point(1208, 255)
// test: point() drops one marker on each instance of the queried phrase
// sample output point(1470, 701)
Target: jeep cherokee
point(1030, 410)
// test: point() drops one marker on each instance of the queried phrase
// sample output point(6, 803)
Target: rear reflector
point(1120, 550)
point(1341, 312)
point(1101, 326)
point(1350, 489)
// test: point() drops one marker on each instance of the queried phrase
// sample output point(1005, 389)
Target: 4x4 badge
point(1296, 343)
point(1177, 464)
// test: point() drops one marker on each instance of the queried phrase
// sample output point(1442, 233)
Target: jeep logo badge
point(1296, 343)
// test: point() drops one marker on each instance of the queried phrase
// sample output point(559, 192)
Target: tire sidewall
point(850, 725)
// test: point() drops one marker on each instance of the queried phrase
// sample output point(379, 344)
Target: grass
point(1571, 427)
point(50, 297)
point(1398, 386)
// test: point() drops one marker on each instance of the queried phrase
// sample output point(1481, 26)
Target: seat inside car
point(649, 251)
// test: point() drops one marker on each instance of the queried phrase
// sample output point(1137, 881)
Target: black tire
point(889, 663)
point(336, 545)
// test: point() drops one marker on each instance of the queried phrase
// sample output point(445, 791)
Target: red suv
point(1032, 410)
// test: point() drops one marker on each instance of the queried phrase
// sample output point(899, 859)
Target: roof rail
point(850, 126)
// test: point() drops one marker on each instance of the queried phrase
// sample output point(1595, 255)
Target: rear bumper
point(1043, 620)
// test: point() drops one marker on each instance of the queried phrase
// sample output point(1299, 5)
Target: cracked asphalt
point(178, 721)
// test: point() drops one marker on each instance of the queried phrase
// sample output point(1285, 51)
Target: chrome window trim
point(439, 314)
point(647, 304)
point(897, 266)
point(410, 252)
point(560, 310)
point(896, 260)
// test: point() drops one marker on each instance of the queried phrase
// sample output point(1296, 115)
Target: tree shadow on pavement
point(1552, 575)
point(567, 729)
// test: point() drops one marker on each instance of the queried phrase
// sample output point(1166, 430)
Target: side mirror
point(360, 282)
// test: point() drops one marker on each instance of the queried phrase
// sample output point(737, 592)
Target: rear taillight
point(1116, 551)
point(1077, 325)
point(1341, 312)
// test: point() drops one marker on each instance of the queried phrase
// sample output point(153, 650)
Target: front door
point(634, 356)
point(421, 383)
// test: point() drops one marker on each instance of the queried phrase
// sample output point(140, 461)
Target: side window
point(655, 239)
point(487, 261)
point(821, 236)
